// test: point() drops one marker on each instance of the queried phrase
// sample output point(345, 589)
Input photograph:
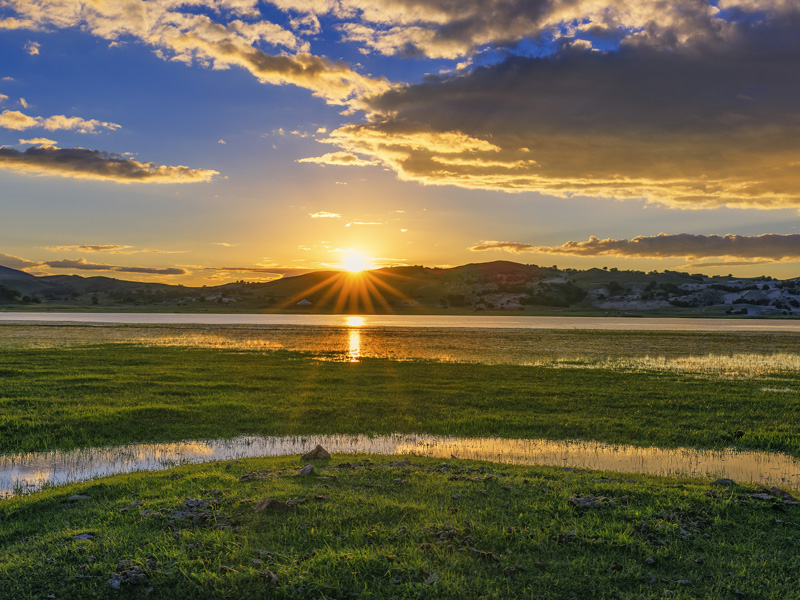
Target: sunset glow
point(281, 135)
point(356, 262)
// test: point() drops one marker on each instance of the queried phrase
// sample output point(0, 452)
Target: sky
point(203, 142)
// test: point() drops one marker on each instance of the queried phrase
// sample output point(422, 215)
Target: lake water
point(435, 321)
point(22, 473)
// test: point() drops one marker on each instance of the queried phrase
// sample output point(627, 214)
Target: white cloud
point(32, 48)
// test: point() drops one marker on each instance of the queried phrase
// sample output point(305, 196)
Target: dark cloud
point(83, 265)
point(708, 123)
point(152, 271)
point(92, 164)
point(16, 262)
point(772, 246)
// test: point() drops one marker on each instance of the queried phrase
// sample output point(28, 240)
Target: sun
point(355, 262)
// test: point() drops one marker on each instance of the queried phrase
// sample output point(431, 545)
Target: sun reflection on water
point(354, 333)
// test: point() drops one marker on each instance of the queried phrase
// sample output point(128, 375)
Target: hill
point(492, 287)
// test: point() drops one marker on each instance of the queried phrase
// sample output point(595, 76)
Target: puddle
point(23, 473)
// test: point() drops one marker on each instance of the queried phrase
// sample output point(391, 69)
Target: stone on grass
point(307, 470)
point(723, 481)
point(318, 453)
point(75, 497)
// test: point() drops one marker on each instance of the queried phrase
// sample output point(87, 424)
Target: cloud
point(91, 164)
point(450, 29)
point(364, 223)
point(39, 142)
point(773, 246)
point(710, 122)
point(110, 248)
point(217, 39)
point(24, 103)
point(339, 158)
point(18, 121)
point(32, 48)
point(3, 97)
point(116, 248)
point(323, 214)
point(83, 265)
point(15, 262)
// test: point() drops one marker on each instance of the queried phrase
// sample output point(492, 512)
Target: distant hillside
point(481, 287)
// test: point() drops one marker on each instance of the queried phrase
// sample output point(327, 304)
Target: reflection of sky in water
point(26, 472)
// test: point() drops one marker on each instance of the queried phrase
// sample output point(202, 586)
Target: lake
point(434, 321)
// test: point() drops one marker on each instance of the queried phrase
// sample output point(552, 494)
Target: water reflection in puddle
point(21, 473)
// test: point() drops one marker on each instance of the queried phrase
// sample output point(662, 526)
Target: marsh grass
point(111, 394)
point(367, 529)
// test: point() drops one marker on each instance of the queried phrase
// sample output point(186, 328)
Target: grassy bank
point(112, 394)
point(382, 529)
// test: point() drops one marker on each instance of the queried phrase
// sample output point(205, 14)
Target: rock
point(76, 497)
point(650, 560)
point(787, 497)
point(269, 575)
point(307, 470)
point(318, 453)
point(761, 496)
point(115, 582)
point(272, 505)
point(295, 501)
point(723, 481)
point(590, 501)
point(400, 463)
point(83, 536)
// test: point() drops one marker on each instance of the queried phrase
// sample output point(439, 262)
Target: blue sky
point(204, 142)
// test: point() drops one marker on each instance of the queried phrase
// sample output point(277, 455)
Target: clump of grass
point(386, 528)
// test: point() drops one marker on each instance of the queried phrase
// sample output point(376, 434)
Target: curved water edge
point(437, 321)
point(24, 473)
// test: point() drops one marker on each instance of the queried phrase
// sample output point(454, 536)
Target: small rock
point(761, 496)
point(76, 497)
point(273, 505)
point(400, 463)
point(115, 582)
point(269, 575)
point(83, 536)
point(318, 453)
point(295, 501)
point(683, 582)
point(723, 481)
point(320, 498)
point(307, 470)
point(587, 501)
point(650, 560)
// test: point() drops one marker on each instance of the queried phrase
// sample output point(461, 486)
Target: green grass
point(428, 530)
point(113, 394)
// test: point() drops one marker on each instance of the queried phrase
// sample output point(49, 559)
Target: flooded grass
point(742, 354)
point(368, 528)
point(114, 394)
point(26, 473)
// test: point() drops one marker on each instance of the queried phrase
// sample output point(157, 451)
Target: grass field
point(429, 529)
point(367, 529)
point(110, 394)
